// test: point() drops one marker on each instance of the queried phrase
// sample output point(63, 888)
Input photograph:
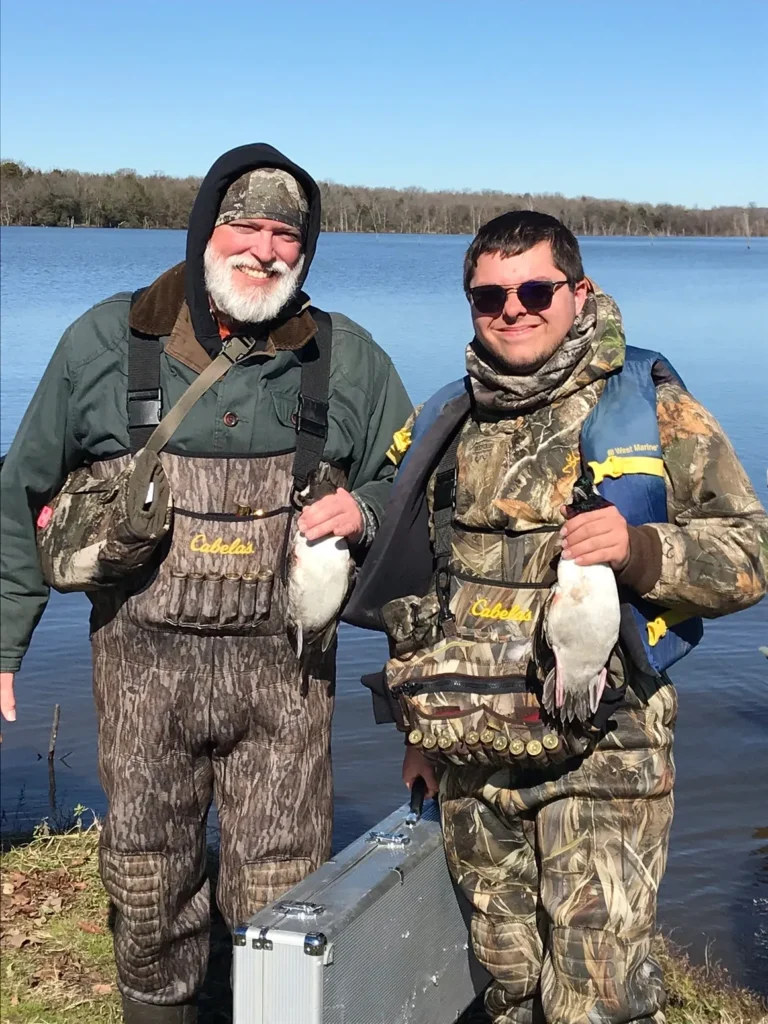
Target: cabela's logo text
point(481, 609)
point(217, 546)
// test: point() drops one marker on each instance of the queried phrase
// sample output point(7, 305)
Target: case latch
point(295, 908)
point(389, 838)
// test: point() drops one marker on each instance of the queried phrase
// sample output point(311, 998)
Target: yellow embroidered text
point(482, 610)
point(220, 547)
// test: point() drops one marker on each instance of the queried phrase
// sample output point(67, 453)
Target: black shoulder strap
point(445, 497)
point(442, 517)
point(312, 416)
point(145, 399)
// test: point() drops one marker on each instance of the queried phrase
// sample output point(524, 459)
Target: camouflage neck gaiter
point(576, 362)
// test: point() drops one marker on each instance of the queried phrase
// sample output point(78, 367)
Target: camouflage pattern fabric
point(99, 529)
point(513, 475)
point(199, 696)
point(715, 546)
point(561, 846)
point(266, 192)
point(499, 391)
point(562, 867)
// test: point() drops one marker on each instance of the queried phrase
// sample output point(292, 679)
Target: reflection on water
point(407, 291)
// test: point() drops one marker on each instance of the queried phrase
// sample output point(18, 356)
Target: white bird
point(581, 627)
point(319, 575)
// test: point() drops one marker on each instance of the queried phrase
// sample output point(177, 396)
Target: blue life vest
point(620, 444)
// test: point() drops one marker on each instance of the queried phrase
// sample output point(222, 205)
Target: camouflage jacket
point(516, 471)
point(78, 415)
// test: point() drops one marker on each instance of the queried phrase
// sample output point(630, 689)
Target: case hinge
point(262, 942)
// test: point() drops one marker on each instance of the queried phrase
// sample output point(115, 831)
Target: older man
point(556, 826)
point(198, 690)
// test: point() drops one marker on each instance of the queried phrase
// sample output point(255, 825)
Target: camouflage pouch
point(95, 532)
point(469, 694)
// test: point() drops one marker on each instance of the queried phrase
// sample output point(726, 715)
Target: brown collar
point(161, 310)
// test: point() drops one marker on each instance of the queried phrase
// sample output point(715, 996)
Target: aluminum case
point(378, 935)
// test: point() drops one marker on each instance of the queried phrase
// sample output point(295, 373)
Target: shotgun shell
point(248, 585)
point(517, 748)
point(535, 750)
point(429, 742)
point(176, 596)
point(500, 744)
point(472, 739)
point(487, 737)
point(553, 746)
point(230, 598)
point(415, 736)
point(445, 741)
point(265, 581)
point(193, 594)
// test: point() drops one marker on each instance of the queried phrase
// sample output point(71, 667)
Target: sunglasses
point(536, 296)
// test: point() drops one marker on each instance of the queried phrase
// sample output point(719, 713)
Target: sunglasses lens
point(488, 298)
point(536, 295)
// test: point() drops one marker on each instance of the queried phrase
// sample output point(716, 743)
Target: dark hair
point(516, 232)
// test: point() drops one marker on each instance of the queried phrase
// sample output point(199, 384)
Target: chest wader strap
point(442, 519)
point(312, 413)
point(145, 398)
point(311, 418)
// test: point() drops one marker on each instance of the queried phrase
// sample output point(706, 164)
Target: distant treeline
point(130, 200)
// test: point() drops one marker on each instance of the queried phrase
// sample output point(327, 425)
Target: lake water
point(703, 302)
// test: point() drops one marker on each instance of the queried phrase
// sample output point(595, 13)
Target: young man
point(556, 827)
point(197, 687)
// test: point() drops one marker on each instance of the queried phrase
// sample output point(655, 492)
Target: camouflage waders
point(199, 695)
point(562, 868)
point(559, 846)
point(558, 837)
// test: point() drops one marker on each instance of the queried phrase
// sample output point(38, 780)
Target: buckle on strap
point(312, 417)
point(145, 408)
point(235, 348)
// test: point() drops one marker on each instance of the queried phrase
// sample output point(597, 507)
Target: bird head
point(585, 498)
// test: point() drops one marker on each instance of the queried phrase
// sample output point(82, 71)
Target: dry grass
point(57, 965)
point(705, 995)
point(56, 946)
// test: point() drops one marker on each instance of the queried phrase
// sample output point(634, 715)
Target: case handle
point(418, 792)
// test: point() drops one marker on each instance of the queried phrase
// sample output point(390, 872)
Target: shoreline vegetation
point(57, 962)
point(68, 198)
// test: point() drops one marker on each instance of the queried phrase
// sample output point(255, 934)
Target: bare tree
point(126, 198)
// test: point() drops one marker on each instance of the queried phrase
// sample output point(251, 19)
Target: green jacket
point(78, 414)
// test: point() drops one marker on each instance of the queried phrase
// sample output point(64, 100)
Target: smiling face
point(520, 340)
point(252, 268)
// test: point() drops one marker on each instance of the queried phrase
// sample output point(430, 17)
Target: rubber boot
point(149, 1013)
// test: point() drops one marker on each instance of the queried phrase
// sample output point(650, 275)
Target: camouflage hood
point(227, 170)
point(594, 348)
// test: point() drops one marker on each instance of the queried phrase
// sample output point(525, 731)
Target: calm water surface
point(704, 303)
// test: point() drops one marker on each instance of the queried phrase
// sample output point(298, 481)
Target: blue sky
point(654, 101)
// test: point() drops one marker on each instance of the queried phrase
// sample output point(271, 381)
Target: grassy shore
point(57, 961)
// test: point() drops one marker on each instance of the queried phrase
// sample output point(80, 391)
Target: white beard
point(254, 305)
